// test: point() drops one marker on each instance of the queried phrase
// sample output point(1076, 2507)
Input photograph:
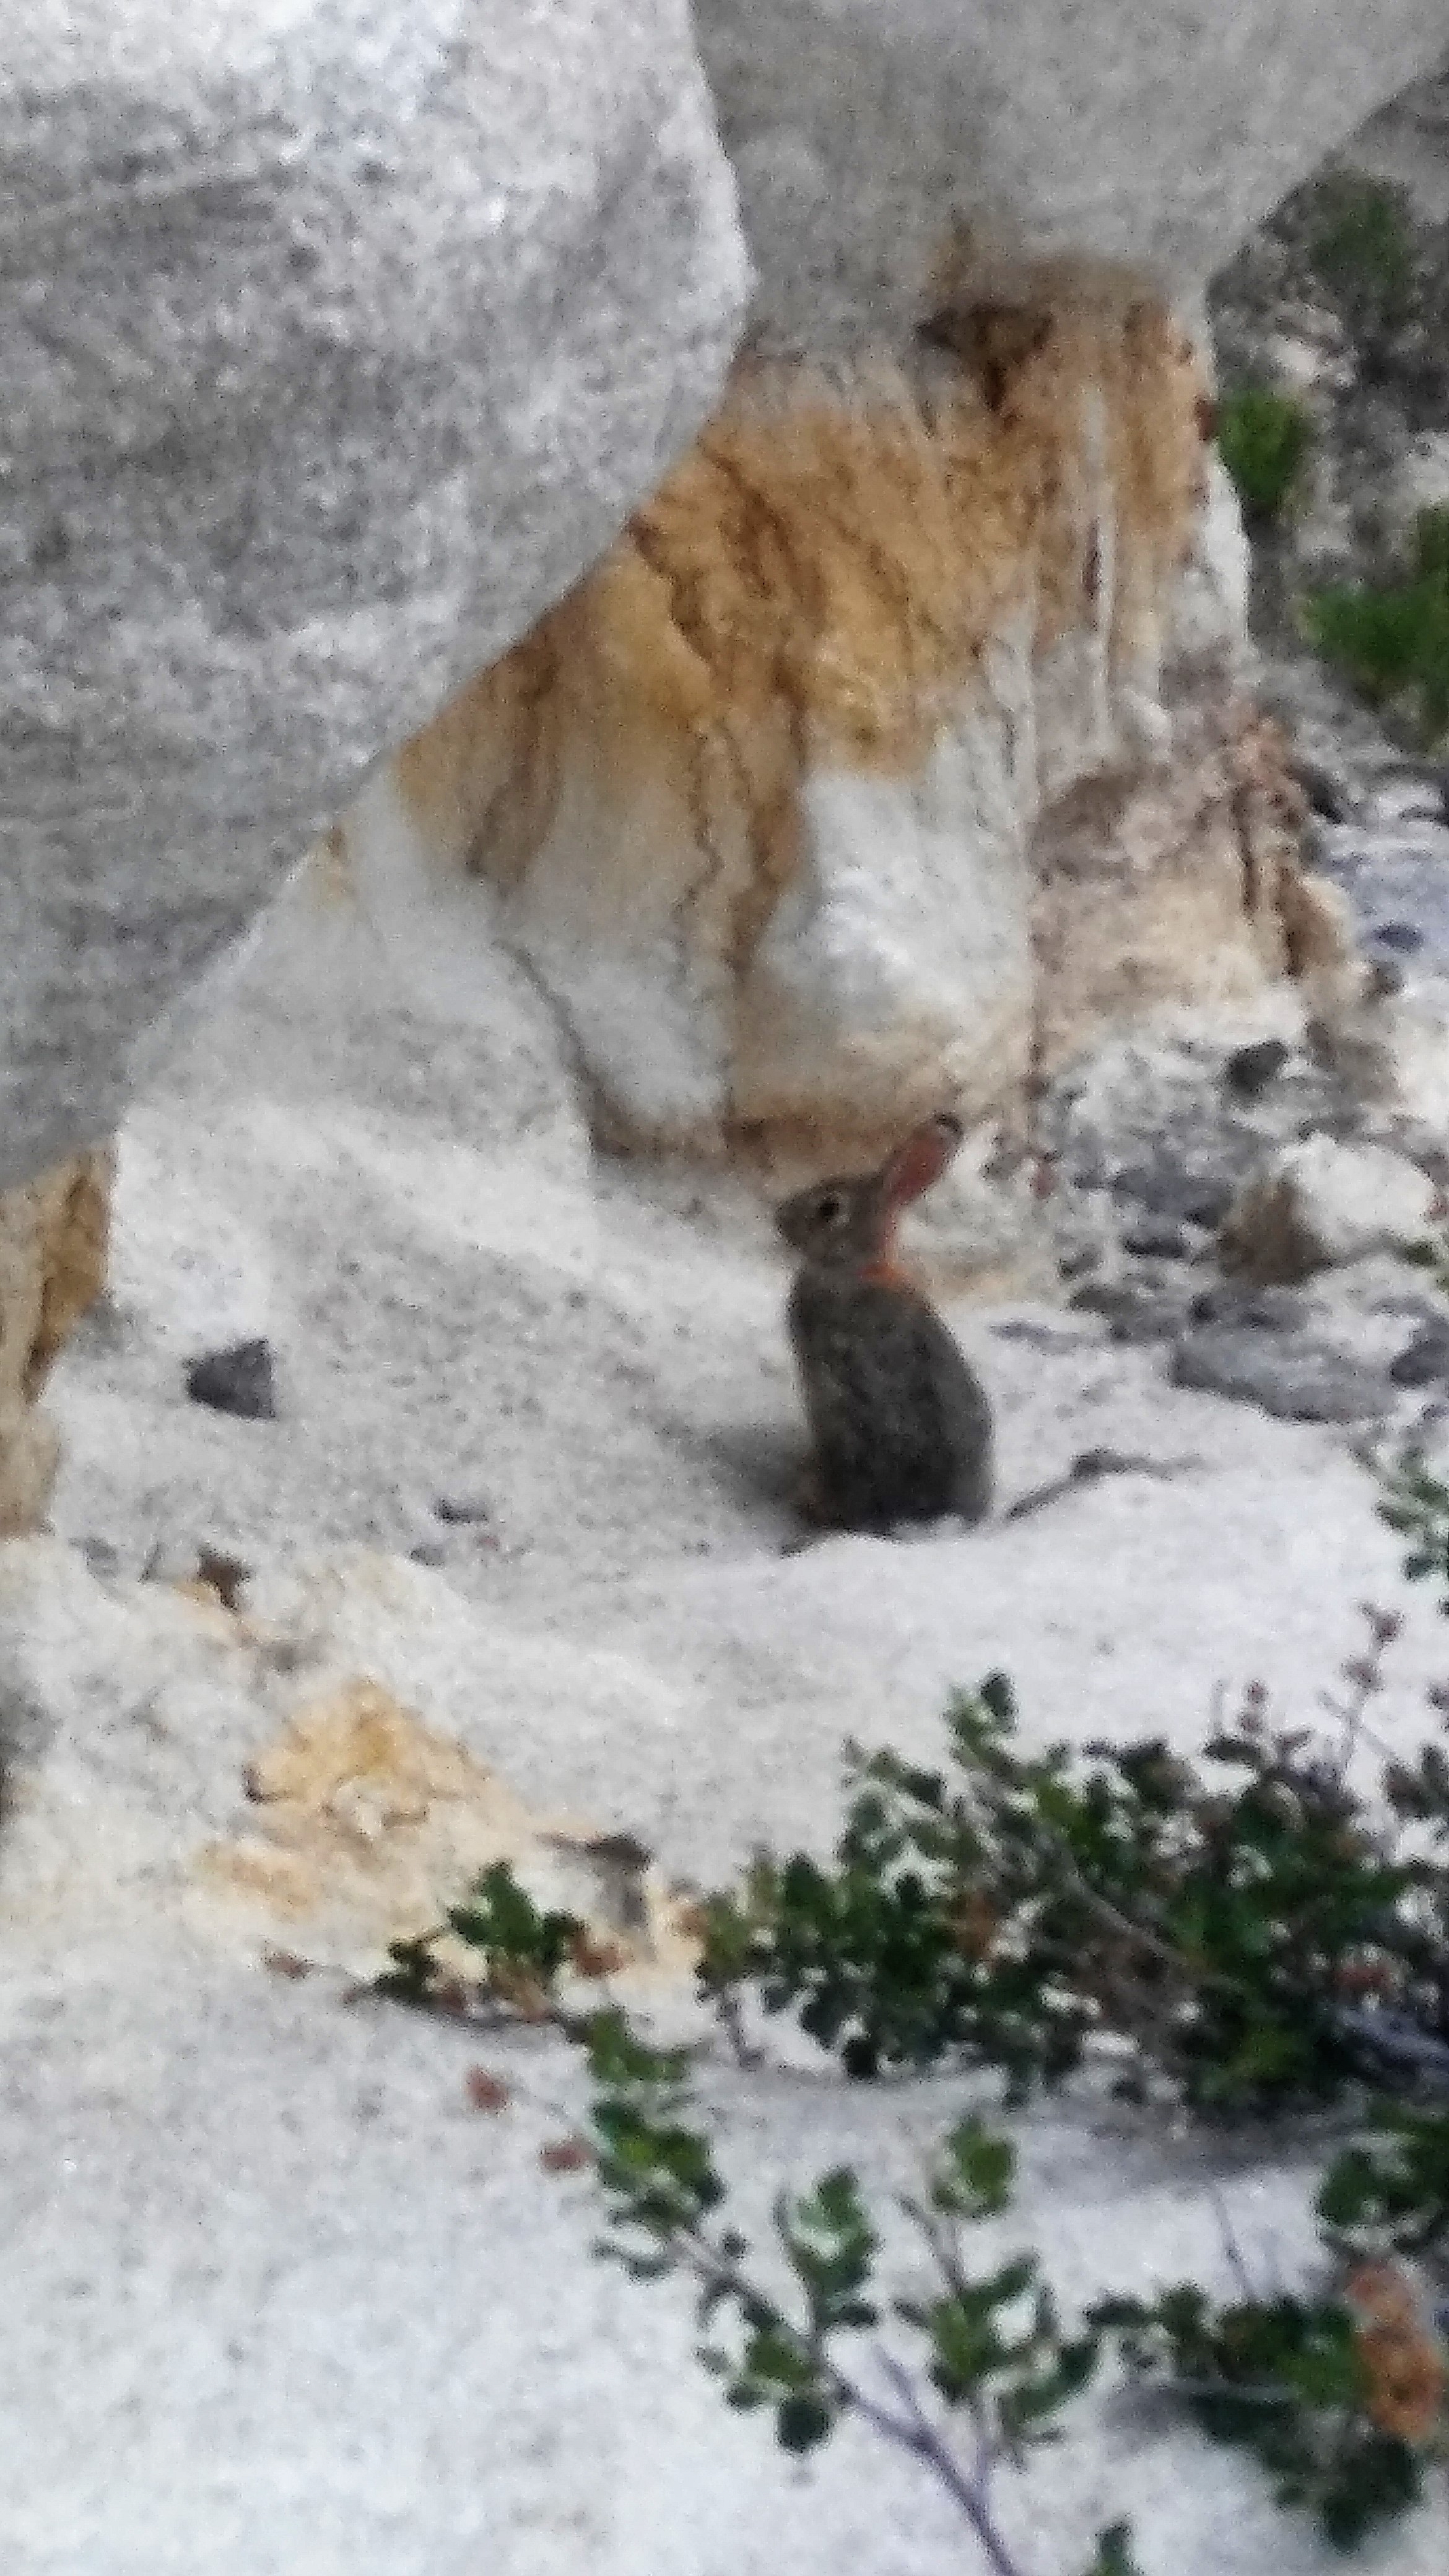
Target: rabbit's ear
point(917, 1165)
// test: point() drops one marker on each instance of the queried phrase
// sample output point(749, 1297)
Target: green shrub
point(1285, 2379)
point(1362, 254)
point(1246, 1930)
point(1341, 2424)
point(1391, 638)
point(1218, 1921)
point(990, 2354)
point(519, 1954)
point(1264, 439)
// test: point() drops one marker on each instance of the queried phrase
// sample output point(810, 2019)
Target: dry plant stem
point(732, 2023)
point(1123, 1924)
point(1090, 1468)
point(1364, 1675)
point(911, 2431)
point(1388, 2035)
point(917, 2434)
point(1232, 2249)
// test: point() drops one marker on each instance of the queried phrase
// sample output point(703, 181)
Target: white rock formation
point(279, 2294)
point(1155, 133)
point(853, 783)
point(338, 336)
point(342, 339)
point(1322, 1203)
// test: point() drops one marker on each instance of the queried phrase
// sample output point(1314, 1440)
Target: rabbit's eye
point(830, 1208)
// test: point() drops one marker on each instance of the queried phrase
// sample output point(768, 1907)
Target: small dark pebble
point(1424, 1361)
point(239, 1380)
point(286, 1963)
point(1263, 1310)
point(458, 1509)
point(1132, 1311)
point(1176, 1196)
point(1152, 1319)
point(1076, 1263)
point(1401, 935)
point(1107, 1297)
point(1037, 1336)
point(619, 1851)
point(227, 1575)
point(1250, 1069)
point(1157, 1239)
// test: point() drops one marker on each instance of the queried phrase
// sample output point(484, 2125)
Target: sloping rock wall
point(891, 752)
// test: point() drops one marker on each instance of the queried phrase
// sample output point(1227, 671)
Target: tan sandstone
point(52, 1264)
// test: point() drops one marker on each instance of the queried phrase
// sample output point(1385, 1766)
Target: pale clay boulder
point(338, 337)
point(1323, 1203)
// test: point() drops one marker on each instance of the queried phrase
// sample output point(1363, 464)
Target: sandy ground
point(277, 2298)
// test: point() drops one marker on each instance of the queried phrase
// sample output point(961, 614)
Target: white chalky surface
point(277, 2297)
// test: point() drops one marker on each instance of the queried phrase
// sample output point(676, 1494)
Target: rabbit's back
point(900, 1425)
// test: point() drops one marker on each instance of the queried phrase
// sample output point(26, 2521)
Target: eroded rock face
point(362, 1813)
point(343, 336)
point(52, 1264)
point(1157, 133)
point(1324, 1202)
point(891, 755)
point(1183, 883)
point(756, 803)
point(338, 338)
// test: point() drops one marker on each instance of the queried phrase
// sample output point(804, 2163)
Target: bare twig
point(1092, 1467)
point(1231, 2247)
point(911, 2431)
point(969, 2489)
point(730, 2014)
point(1364, 1675)
point(1390, 2037)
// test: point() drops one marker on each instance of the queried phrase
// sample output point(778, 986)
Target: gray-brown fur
point(900, 1425)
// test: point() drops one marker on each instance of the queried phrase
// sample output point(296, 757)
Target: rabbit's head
point(848, 1224)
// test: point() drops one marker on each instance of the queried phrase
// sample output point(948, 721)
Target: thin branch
point(729, 2012)
point(943, 2245)
point(969, 2490)
point(1391, 2036)
point(912, 2432)
point(1231, 2247)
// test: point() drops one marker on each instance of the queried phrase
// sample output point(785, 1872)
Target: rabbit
point(900, 1426)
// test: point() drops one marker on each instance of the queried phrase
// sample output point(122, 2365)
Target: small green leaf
point(1114, 2552)
point(803, 2422)
point(981, 2166)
